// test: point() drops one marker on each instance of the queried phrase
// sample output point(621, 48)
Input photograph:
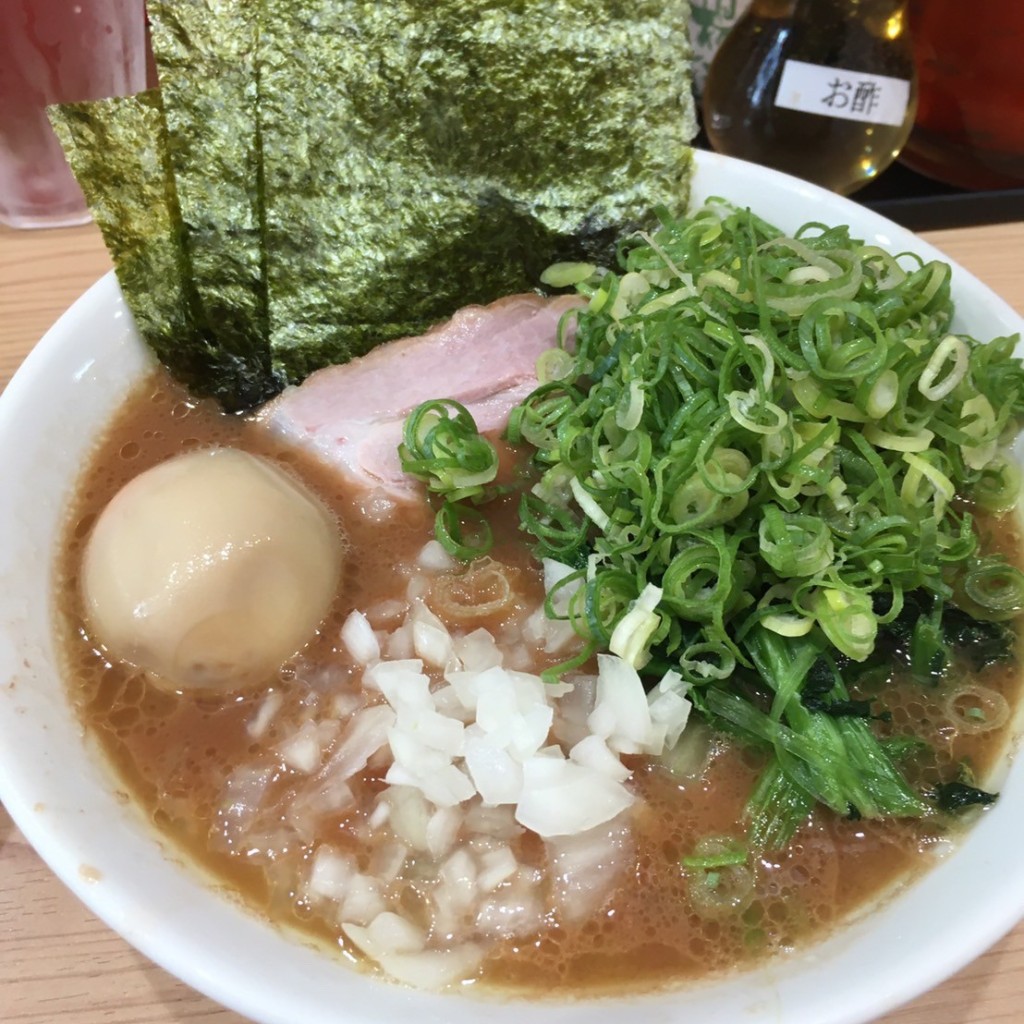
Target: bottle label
point(835, 92)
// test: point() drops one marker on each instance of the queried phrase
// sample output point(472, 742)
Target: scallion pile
point(753, 448)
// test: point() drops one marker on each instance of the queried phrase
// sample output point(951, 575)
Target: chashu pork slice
point(351, 416)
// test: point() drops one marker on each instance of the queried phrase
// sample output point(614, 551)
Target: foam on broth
point(174, 755)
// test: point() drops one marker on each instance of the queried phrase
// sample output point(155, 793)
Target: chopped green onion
point(999, 485)
point(996, 587)
point(795, 545)
point(921, 472)
point(918, 442)
point(632, 633)
point(589, 505)
point(950, 349)
point(554, 364)
point(772, 434)
point(565, 275)
point(978, 422)
point(788, 624)
point(442, 447)
point(463, 531)
point(884, 394)
point(753, 415)
point(847, 619)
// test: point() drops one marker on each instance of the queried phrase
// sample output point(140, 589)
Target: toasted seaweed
point(454, 150)
point(325, 175)
point(205, 52)
point(954, 797)
point(118, 149)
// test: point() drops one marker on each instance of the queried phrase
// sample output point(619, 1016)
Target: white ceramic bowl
point(63, 798)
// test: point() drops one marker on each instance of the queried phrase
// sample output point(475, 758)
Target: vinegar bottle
point(823, 89)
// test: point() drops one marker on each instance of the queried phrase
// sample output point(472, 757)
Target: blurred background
point(913, 107)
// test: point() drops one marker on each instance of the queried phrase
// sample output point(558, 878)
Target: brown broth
point(174, 754)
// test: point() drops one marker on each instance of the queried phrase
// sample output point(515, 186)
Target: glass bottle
point(969, 129)
point(823, 89)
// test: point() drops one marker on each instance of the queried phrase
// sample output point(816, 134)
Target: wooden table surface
point(59, 964)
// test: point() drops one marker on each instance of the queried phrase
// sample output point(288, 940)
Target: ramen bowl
point(65, 799)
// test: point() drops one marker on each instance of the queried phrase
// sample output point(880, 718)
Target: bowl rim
point(169, 940)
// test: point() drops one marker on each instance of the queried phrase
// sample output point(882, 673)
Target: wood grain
point(58, 963)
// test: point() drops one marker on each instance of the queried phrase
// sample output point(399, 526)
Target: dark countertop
point(921, 204)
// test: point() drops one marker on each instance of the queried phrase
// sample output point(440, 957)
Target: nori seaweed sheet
point(118, 149)
point(454, 150)
point(325, 175)
point(205, 51)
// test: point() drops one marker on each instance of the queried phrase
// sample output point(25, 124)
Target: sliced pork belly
point(352, 415)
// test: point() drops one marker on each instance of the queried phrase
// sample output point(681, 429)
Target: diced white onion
point(430, 640)
point(379, 816)
point(325, 796)
point(584, 869)
point(622, 715)
point(343, 704)
point(442, 831)
point(331, 874)
point(387, 933)
point(359, 639)
point(574, 708)
point(431, 729)
point(409, 815)
point(391, 933)
point(496, 866)
point(458, 879)
point(554, 573)
point(592, 752)
point(434, 968)
point(434, 557)
point(365, 734)
point(363, 901)
point(477, 651)
point(301, 751)
point(399, 644)
point(554, 635)
point(387, 613)
point(497, 822)
point(265, 715)
point(511, 914)
point(240, 803)
point(561, 797)
point(670, 710)
point(497, 776)
point(401, 682)
point(387, 861)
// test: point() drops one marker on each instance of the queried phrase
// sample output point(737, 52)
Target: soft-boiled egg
point(210, 570)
